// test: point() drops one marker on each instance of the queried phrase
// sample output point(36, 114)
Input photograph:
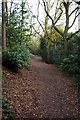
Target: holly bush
point(16, 57)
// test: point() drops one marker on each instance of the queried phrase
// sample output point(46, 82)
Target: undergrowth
point(7, 113)
point(16, 57)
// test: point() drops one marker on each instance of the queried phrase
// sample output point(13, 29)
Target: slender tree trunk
point(22, 22)
point(7, 14)
point(65, 46)
point(46, 34)
point(66, 5)
point(79, 22)
point(3, 27)
point(11, 6)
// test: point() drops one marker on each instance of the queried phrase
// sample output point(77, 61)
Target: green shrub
point(55, 52)
point(34, 45)
point(76, 81)
point(70, 64)
point(43, 48)
point(16, 57)
point(56, 55)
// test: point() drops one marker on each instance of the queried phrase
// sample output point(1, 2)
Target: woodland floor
point(41, 92)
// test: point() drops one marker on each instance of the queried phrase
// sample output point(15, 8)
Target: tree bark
point(3, 27)
point(7, 14)
point(22, 23)
point(65, 46)
point(66, 6)
point(46, 34)
point(11, 6)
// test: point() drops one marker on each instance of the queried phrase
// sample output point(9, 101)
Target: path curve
point(58, 96)
point(41, 92)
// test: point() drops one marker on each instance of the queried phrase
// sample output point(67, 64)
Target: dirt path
point(42, 92)
point(58, 94)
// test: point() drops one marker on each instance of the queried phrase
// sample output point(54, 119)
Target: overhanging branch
point(40, 24)
point(53, 24)
point(78, 2)
point(37, 32)
point(74, 20)
point(73, 34)
point(59, 16)
point(74, 11)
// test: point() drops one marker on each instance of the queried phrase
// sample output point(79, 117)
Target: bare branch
point(74, 20)
point(38, 15)
point(56, 10)
point(37, 32)
point(59, 16)
point(38, 6)
point(74, 11)
point(11, 6)
point(40, 24)
point(29, 8)
point(52, 5)
point(77, 2)
point(53, 24)
point(73, 34)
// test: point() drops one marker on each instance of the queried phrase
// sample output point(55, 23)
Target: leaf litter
point(41, 92)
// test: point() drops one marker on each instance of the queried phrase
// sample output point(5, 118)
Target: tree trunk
point(46, 34)
point(22, 23)
point(65, 46)
point(79, 22)
point(3, 27)
point(7, 14)
point(11, 6)
point(66, 5)
point(47, 53)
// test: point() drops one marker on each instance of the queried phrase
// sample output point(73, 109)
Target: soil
point(41, 92)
